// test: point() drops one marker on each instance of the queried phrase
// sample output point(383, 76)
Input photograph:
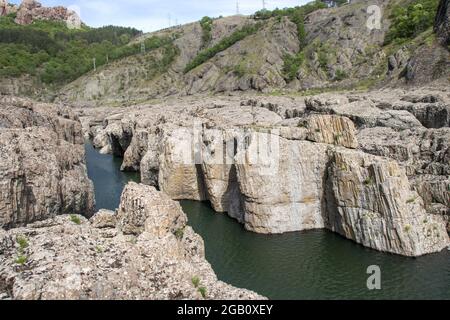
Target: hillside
point(310, 48)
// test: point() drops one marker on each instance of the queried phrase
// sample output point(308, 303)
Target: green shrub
point(22, 242)
point(292, 64)
point(224, 44)
point(75, 219)
point(408, 22)
point(21, 260)
point(206, 24)
point(202, 291)
point(195, 281)
point(340, 75)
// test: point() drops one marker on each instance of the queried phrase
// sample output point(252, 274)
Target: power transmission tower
point(170, 20)
point(237, 7)
point(143, 47)
point(264, 4)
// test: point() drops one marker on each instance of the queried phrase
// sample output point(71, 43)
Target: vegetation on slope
point(206, 23)
point(292, 63)
point(57, 55)
point(411, 20)
point(224, 44)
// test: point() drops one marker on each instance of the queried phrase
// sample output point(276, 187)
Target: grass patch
point(195, 281)
point(202, 291)
point(75, 219)
point(21, 260)
point(22, 242)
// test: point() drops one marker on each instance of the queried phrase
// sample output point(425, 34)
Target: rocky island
point(286, 121)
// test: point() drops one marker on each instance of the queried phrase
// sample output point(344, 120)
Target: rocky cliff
point(144, 251)
point(365, 165)
point(42, 167)
point(31, 10)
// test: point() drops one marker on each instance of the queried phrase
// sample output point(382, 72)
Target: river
point(300, 265)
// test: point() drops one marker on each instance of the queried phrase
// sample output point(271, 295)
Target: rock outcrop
point(31, 10)
point(145, 251)
point(376, 207)
point(42, 167)
point(442, 22)
point(267, 161)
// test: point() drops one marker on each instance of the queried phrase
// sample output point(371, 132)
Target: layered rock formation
point(145, 251)
point(442, 22)
point(42, 167)
point(31, 10)
point(270, 162)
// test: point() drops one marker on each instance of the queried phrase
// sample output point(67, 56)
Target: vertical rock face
point(42, 167)
point(283, 192)
point(178, 176)
point(146, 251)
point(270, 162)
point(442, 22)
point(370, 201)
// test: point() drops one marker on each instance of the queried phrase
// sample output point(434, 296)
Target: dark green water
point(301, 265)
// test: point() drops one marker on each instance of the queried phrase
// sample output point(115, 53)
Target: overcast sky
point(150, 15)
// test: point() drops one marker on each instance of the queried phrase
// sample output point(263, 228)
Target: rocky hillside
point(373, 167)
point(308, 48)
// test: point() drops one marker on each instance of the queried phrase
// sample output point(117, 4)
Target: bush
point(206, 24)
point(195, 281)
point(292, 64)
point(224, 44)
point(410, 21)
point(75, 219)
point(340, 75)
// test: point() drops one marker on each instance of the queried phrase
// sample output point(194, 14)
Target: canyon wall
point(373, 167)
point(42, 167)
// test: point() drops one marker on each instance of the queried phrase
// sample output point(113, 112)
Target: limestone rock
point(376, 207)
point(144, 207)
point(104, 219)
point(332, 130)
point(63, 259)
point(42, 167)
point(282, 189)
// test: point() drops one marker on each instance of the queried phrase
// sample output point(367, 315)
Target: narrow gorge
point(277, 155)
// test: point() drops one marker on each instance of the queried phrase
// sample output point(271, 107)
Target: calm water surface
point(301, 265)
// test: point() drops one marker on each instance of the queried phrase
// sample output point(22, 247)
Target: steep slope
point(339, 51)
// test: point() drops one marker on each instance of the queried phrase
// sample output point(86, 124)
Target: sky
point(151, 15)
